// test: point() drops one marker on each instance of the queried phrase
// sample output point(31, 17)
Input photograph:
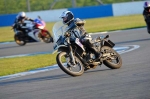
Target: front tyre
point(112, 59)
point(64, 62)
point(46, 37)
point(19, 40)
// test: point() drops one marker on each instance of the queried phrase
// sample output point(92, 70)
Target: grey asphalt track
point(10, 49)
point(131, 81)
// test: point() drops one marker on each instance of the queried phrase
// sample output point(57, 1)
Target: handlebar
point(107, 36)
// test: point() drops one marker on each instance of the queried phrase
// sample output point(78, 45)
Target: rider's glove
point(67, 34)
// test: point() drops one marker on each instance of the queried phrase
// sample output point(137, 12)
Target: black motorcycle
point(74, 58)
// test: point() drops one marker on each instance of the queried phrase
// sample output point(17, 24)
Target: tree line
point(15, 6)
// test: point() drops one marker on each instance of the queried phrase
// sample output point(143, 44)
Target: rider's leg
point(90, 46)
point(148, 27)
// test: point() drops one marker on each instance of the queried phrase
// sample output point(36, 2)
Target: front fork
point(71, 55)
point(43, 32)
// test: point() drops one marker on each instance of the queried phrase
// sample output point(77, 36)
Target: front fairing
point(58, 29)
point(39, 23)
point(58, 32)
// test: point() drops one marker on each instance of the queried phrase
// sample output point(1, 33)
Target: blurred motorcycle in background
point(31, 32)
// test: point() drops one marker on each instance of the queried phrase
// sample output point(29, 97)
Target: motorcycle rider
point(19, 22)
point(85, 38)
point(146, 14)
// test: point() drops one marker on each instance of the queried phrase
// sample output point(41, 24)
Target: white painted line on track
point(120, 50)
point(7, 42)
point(22, 55)
point(48, 68)
point(125, 51)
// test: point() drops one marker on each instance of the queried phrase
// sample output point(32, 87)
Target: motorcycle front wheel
point(112, 59)
point(46, 37)
point(18, 40)
point(65, 63)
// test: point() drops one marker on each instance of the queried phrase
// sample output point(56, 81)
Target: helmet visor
point(64, 19)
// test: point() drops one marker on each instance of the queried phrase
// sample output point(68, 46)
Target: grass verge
point(20, 64)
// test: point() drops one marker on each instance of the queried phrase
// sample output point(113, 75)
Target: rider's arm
point(26, 18)
point(80, 22)
point(15, 22)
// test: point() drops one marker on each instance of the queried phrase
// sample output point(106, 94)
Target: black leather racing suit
point(146, 14)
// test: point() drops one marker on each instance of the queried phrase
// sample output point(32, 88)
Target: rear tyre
point(113, 59)
point(64, 62)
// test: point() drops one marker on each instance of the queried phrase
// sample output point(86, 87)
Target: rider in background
point(85, 38)
point(146, 14)
point(19, 20)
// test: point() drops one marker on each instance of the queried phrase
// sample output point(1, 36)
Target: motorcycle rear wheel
point(63, 61)
point(114, 60)
point(18, 40)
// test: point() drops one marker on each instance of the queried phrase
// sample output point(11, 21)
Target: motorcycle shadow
point(96, 70)
point(37, 79)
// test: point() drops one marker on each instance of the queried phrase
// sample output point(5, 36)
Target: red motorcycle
point(33, 32)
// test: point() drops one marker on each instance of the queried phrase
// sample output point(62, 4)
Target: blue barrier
point(7, 20)
point(83, 13)
point(92, 11)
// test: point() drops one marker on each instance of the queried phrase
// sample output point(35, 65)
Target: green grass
point(20, 64)
point(114, 23)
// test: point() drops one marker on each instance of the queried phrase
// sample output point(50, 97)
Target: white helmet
point(22, 14)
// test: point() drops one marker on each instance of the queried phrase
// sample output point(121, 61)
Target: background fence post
point(73, 3)
point(28, 5)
